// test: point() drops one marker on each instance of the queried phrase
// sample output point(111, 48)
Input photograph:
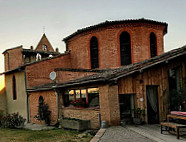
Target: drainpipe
point(99, 119)
point(27, 98)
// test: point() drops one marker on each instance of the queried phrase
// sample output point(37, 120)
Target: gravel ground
point(121, 134)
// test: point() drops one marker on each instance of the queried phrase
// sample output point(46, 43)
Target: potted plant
point(138, 114)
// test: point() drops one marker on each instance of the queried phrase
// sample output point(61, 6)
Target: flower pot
point(75, 124)
point(137, 121)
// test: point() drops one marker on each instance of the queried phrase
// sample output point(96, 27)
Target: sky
point(22, 21)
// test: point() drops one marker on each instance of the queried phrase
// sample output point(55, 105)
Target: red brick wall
point(6, 61)
point(13, 58)
point(85, 114)
point(38, 73)
point(109, 104)
point(49, 98)
point(44, 41)
point(65, 76)
point(109, 47)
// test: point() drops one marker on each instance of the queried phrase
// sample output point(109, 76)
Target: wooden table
point(176, 126)
point(175, 116)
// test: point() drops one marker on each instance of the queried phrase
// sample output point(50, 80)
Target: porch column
point(60, 103)
point(109, 104)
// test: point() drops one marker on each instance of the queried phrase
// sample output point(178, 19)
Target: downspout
point(27, 97)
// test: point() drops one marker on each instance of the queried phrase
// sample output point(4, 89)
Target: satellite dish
point(52, 75)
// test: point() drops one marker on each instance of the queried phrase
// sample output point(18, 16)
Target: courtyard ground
point(138, 133)
point(55, 135)
point(120, 134)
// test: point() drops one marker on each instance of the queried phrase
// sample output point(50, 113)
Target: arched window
point(94, 53)
point(44, 47)
point(14, 87)
point(38, 57)
point(125, 48)
point(153, 46)
point(41, 100)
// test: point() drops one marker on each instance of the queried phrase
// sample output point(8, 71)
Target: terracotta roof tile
point(114, 74)
point(107, 23)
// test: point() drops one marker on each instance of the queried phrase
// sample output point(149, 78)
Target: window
point(14, 88)
point(38, 57)
point(41, 100)
point(175, 79)
point(93, 97)
point(125, 48)
point(94, 53)
point(126, 102)
point(153, 46)
point(44, 47)
point(90, 96)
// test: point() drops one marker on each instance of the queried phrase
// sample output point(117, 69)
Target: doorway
point(152, 104)
point(126, 102)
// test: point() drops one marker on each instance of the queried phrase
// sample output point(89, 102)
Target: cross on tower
point(43, 29)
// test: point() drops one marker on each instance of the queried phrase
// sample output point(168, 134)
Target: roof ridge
point(107, 22)
point(20, 46)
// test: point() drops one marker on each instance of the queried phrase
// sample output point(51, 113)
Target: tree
point(43, 111)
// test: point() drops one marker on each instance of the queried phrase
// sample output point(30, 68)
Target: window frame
point(94, 52)
point(87, 98)
point(14, 90)
point(153, 45)
point(125, 45)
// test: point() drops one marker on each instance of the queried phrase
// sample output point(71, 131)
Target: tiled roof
point(108, 23)
point(114, 74)
point(21, 46)
point(81, 70)
point(20, 68)
point(41, 52)
point(47, 86)
point(28, 64)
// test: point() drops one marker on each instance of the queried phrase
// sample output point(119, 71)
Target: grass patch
point(56, 135)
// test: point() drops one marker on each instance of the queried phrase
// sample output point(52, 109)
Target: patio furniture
point(173, 125)
point(169, 125)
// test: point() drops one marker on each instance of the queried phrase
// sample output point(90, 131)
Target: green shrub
point(12, 120)
point(69, 118)
point(1, 115)
point(138, 112)
point(43, 113)
point(177, 100)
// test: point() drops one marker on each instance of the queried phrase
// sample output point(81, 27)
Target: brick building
point(113, 67)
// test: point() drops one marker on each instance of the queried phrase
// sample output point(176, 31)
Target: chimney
point(31, 47)
point(57, 50)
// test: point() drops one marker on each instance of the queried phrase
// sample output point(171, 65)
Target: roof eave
point(114, 22)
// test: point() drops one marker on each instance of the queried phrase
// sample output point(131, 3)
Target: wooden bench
point(175, 126)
